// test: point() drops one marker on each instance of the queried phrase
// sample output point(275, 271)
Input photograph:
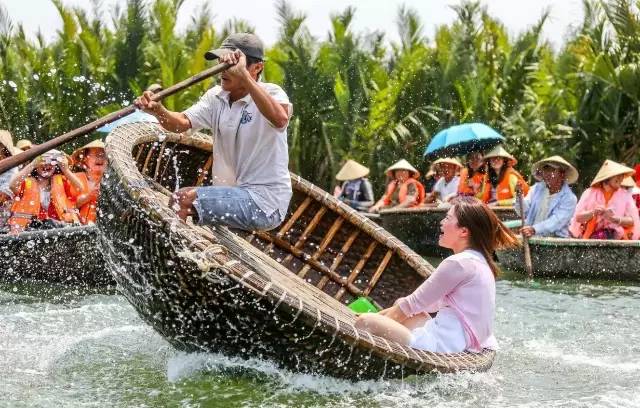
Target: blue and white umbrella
point(462, 139)
point(135, 117)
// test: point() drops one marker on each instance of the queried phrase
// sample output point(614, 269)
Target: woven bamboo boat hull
point(279, 296)
point(419, 228)
point(63, 255)
point(578, 258)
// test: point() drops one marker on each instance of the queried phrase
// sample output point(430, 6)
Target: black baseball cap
point(250, 45)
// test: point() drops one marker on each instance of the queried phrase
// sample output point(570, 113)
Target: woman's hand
point(394, 312)
point(599, 210)
point(63, 163)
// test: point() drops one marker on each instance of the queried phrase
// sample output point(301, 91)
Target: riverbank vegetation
point(356, 95)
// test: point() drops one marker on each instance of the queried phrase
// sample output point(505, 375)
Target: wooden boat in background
point(419, 227)
point(578, 258)
point(280, 295)
point(66, 255)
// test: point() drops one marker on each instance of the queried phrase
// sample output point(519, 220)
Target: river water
point(563, 344)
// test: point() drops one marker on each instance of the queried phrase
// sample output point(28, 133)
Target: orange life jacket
point(87, 213)
point(402, 195)
point(26, 205)
point(503, 189)
point(466, 185)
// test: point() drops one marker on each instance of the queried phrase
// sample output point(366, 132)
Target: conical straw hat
point(352, 170)
point(403, 165)
point(97, 144)
point(449, 160)
point(611, 169)
point(7, 141)
point(499, 151)
point(555, 161)
point(23, 143)
point(628, 182)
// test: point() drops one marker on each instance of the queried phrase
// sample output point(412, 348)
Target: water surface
point(563, 344)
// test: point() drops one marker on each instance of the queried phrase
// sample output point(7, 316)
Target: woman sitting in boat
point(91, 161)
point(499, 184)
point(43, 191)
point(462, 289)
point(6, 195)
point(446, 187)
point(605, 210)
point(550, 204)
point(355, 190)
point(472, 175)
point(404, 190)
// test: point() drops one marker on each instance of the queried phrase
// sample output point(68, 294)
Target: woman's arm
point(73, 179)
point(86, 198)
point(18, 178)
point(394, 312)
point(428, 296)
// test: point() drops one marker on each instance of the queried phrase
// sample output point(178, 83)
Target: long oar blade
point(37, 150)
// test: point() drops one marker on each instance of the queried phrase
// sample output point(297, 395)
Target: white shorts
point(442, 334)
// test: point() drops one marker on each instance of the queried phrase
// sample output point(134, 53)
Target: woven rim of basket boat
point(587, 243)
point(429, 210)
point(120, 145)
point(69, 231)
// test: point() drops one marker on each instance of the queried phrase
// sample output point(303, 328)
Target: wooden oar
point(525, 240)
point(37, 150)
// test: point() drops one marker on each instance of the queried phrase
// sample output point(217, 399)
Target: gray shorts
point(233, 207)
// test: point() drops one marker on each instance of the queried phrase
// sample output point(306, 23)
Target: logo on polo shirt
point(246, 117)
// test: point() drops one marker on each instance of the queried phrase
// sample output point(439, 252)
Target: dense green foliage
point(354, 95)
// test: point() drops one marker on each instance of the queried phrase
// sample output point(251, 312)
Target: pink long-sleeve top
point(622, 204)
point(464, 283)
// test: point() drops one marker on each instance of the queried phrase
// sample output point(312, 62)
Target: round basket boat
point(578, 258)
point(280, 295)
point(61, 255)
point(419, 227)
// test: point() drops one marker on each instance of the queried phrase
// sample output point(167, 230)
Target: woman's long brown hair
point(486, 232)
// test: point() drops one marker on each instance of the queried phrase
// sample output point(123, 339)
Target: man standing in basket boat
point(251, 183)
point(550, 204)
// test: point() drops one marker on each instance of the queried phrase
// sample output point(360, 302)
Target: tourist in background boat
point(629, 184)
point(24, 144)
point(462, 289)
point(249, 119)
point(404, 190)
point(635, 192)
point(43, 193)
point(550, 204)
point(499, 184)
point(6, 194)
point(91, 162)
point(356, 190)
point(446, 187)
point(429, 180)
point(605, 210)
point(472, 175)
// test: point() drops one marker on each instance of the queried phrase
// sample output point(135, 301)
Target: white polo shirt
point(447, 190)
point(248, 151)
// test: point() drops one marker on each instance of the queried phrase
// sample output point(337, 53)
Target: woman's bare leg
point(384, 327)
